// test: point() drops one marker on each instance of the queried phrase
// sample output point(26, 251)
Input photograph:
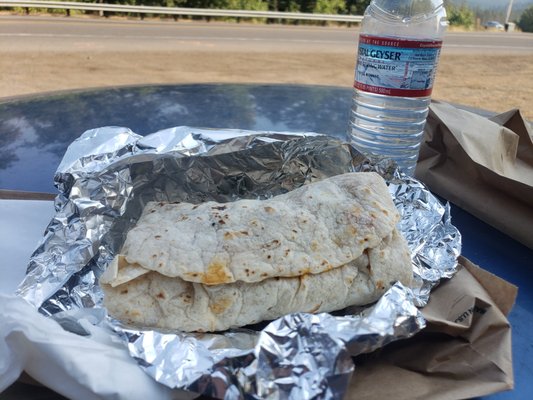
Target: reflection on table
point(35, 131)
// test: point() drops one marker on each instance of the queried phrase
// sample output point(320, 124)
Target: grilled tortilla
point(213, 266)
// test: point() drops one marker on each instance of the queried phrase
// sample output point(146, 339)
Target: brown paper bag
point(465, 350)
point(483, 165)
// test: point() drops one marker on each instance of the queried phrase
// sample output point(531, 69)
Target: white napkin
point(80, 367)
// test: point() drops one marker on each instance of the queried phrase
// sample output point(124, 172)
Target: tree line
point(469, 17)
point(458, 15)
point(346, 7)
point(355, 7)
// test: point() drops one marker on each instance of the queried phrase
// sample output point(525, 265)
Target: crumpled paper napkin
point(68, 363)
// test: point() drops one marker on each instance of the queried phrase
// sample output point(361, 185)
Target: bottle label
point(396, 67)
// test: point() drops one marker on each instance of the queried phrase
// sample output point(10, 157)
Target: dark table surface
point(35, 132)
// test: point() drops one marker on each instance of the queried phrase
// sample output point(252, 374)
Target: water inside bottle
point(389, 126)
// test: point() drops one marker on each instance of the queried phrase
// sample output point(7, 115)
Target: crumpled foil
point(108, 174)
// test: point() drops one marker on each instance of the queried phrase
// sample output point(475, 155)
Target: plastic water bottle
point(399, 48)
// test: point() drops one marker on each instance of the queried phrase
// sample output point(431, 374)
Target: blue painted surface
point(35, 132)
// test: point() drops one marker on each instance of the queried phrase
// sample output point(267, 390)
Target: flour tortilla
point(155, 300)
point(312, 229)
point(213, 266)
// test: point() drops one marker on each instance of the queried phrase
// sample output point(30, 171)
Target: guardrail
point(67, 5)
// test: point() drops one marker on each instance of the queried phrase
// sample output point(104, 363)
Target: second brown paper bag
point(483, 165)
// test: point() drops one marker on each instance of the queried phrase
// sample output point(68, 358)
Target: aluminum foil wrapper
point(109, 174)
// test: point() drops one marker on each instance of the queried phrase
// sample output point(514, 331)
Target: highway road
point(490, 70)
point(61, 33)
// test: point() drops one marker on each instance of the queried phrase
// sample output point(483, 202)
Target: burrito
point(214, 266)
